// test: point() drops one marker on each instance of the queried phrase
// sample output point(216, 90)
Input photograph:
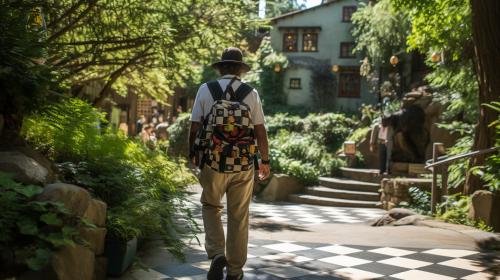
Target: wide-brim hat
point(232, 55)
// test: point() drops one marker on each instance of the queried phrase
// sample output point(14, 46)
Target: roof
point(303, 11)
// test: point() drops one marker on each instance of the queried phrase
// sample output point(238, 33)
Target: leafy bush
point(456, 210)
point(30, 230)
point(420, 201)
point(143, 188)
point(178, 133)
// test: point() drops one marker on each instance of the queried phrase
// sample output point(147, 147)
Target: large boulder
point(481, 205)
point(280, 187)
point(74, 263)
point(96, 212)
point(75, 199)
point(25, 169)
point(95, 238)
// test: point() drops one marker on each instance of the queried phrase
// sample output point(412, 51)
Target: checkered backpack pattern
point(227, 137)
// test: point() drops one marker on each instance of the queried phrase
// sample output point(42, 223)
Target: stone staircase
point(356, 188)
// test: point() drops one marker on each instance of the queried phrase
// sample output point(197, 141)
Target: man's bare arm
point(195, 126)
point(261, 135)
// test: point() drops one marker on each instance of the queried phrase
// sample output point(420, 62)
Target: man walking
point(226, 120)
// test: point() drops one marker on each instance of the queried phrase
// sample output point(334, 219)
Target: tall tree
point(486, 37)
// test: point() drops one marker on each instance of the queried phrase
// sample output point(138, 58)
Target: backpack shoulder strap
point(215, 90)
point(242, 92)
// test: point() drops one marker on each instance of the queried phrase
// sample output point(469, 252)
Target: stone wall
point(395, 190)
point(80, 262)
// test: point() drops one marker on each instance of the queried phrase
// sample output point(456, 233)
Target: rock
point(96, 212)
point(410, 220)
point(95, 238)
point(100, 268)
point(413, 94)
point(442, 135)
point(280, 187)
point(399, 213)
point(75, 199)
point(434, 109)
point(25, 169)
point(383, 221)
point(74, 263)
point(481, 204)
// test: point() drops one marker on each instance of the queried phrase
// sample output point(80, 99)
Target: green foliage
point(490, 173)
point(458, 88)
point(305, 147)
point(178, 134)
point(271, 82)
point(143, 189)
point(433, 23)
point(458, 170)
point(26, 82)
point(31, 230)
point(380, 31)
point(456, 210)
point(278, 7)
point(420, 201)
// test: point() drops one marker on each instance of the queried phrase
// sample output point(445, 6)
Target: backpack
point(227, 138)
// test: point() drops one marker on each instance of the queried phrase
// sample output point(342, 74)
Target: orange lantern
point(436, 57)
point(335, 68)
point(394, 60)
point(277, 68)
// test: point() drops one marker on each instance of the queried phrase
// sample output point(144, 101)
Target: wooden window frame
point(295, 79)
point(315, 42)
point(349, 70)
point(344, 12)
point(296, 45)
point(350, 55)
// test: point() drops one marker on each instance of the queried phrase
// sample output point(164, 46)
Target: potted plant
point(121, 240)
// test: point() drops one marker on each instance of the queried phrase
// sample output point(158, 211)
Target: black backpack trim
point(241, 93)
point(215, 90)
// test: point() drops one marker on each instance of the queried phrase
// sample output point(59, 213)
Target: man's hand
point(264, 171)
point(372, 148)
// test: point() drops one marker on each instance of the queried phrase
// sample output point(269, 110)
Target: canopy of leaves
point(379, 30)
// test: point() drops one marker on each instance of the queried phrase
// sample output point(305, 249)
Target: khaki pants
point(238, 188)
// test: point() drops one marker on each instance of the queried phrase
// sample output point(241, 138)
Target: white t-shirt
point(204, 101)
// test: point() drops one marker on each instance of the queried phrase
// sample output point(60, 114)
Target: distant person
point(147, 136)
point(161, 128)
point(382, 135)
point(139, 124)
point(227, 160)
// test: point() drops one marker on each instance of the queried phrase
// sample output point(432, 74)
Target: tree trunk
point(485, 24)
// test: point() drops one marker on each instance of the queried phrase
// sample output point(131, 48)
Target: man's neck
point(230, 76)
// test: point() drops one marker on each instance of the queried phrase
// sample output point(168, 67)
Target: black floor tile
point(447, 270)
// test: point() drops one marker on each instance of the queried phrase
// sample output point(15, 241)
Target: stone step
point(327, 201)
point(343, 194)
point(361, 174)
point(347, 184)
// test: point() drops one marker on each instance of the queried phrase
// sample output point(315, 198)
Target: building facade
point(321, 35)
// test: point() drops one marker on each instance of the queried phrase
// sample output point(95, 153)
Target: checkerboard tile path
point(270, 259)
point(302, 215)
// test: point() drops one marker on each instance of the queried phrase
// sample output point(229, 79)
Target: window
point(347, 13)
point(295, 83)
point(290, 42)
point(310, 42)
point(349, 82)
point(346, 50)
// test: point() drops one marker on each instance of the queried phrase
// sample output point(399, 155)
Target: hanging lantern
point(335, 68)
point(436, 57)
point(277, 67)
point(349, 148)
point(394, 60)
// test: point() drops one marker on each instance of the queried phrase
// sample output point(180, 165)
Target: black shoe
point(216, 271)
point(234, 277)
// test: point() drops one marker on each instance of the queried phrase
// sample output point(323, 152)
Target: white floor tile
point(356, 274)
point(392, 252)
point(420, 275)
point(338, 249)
point(345, 261)
point(286, 247)
point(480, 276)
point(452, 253)
point(463, 264)
point(405, 262)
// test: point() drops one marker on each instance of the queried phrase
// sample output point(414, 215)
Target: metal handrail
point(449, 160)
point(445, 162)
